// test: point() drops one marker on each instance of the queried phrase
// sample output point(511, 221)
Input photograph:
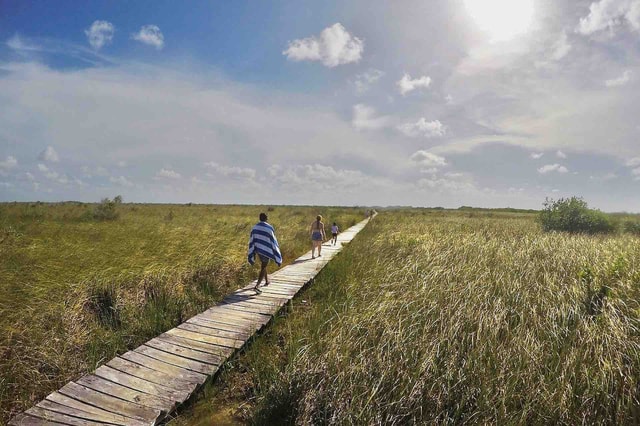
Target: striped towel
point(263, 241)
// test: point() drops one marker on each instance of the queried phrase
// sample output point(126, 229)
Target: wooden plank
point(139, 384)
point(212, 335)
point(164, 405)
point(180, 386)
point(25, 420)
point(207, 348)
point(257, 298)
point(228, 320)
point(207, 327)
point(248, 292)
point(203, 338)
point(248, 316)
point(69, 409)
point(163, 345)
point(244, 308)
point(158, 372)
point(109, 403)
point(202, 368)
point(54, 416)
point(250, 306)
point(238, 333)
point(245, 331)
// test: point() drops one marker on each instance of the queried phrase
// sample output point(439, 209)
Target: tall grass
point(443, 318)
point(75, 290)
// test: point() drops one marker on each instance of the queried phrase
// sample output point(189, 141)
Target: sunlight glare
point(501, 19)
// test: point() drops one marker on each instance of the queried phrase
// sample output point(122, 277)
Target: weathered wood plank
point(138, 384)
point(180, 386)
point(26, 420)
point(54, 416)
point(163, 345)
point(243, 307)
point(203, 338)
point(257, 298)
point(213, 335)
point(185, 342)
point(222, 328)
point(164, 405)
point(153, 363)
point(177, 361)
point(242, 330)
point(110, 403)
point(68, 409)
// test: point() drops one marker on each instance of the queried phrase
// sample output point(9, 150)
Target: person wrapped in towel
point(264, 244)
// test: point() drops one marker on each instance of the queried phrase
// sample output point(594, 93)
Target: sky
point(488, 103)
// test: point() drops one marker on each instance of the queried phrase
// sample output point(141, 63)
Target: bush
point(632, 227)
point(573, 215)
point(106, 210)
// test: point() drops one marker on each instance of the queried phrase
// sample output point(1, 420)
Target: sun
point(501, 19)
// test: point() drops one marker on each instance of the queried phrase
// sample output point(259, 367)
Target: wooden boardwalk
point(142, 386)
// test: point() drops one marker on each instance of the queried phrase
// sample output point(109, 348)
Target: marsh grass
point(76, 290)
point(437, 317)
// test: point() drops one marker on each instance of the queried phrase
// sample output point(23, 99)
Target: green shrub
point(632, 227)
point(106, 210)
point(574, 215)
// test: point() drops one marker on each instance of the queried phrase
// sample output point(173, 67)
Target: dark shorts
point(335, 234)
point(264, 259)
point(316, 236)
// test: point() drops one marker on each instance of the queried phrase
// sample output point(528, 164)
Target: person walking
point(263, 242)
point(317, 236)
point(334, 233)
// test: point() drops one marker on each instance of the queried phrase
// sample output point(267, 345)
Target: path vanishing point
point(143, 386)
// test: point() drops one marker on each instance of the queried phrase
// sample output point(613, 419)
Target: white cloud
point(561, 154)
point(230, 171)
point(619, 81)
point(99, 34)
point(610, 14)
point(428, 159)
point(29, 176)
point(536, 155)
point(406, 84)
point(636, 172)
point(422, 127)
point(49, 154)
point(318, 176)
point(335, 46)
point(604, 178)
point(560, 48)
point(632, 162)
point(121, 180)
point(9, 163)
point(151, 35)
point(168, 174)
point(17, 43)
point(364, 118)
point(552, 168)
point(365, 80)
point(121, 164)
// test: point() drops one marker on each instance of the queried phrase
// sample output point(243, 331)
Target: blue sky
point(449, 103)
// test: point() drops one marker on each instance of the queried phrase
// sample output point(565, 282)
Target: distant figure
point(334, 233)
point(263, 242)
point(317, 236)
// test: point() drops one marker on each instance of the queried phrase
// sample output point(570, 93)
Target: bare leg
point(319, 248)
point(313, 249)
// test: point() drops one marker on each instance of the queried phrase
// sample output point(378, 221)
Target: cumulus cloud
point(422, 127)
point(121, 181)
point(49, 155)
point(18, 43)
point(151, 35)
point(561, 154)
point(560, 48)
point(317, 176)
point(548, 168)
point(428, 159)
point(364, 118)
point(632, 162)
point(406, 84)
point(9, 163)
point(99, 34)
point(610, 14)
point(604, 178)
point(365, 80)
point(335, 46)
point(168, 174)
point(619, 81)
point(536, 155)
point(230, 171)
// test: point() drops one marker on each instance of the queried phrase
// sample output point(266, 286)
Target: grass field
point(449, 318)
point(75, 291)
